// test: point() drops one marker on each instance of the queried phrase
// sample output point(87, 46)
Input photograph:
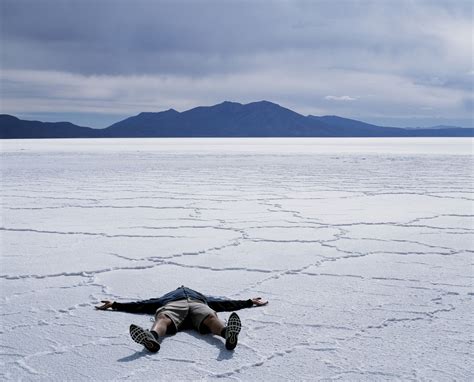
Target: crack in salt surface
point(424, 316)
point(101, 206)
point(87, 233)
point(155, 260)
point(264, 359)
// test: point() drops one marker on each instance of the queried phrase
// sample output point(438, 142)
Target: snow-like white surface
point(363, 247)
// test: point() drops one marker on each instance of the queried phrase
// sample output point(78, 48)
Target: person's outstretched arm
point(145, 306)
point(221, 305)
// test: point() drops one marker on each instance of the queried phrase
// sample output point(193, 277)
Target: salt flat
point(363, 247)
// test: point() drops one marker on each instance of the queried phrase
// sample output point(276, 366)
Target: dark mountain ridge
point(13, 127)
point(227, 119)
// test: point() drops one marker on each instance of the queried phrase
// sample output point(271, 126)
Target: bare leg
point(161, 325)
point(214, 324)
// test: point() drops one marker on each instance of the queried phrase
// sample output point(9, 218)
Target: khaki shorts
point(185, 313)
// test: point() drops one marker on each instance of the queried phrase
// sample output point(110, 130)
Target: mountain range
point(227, 119)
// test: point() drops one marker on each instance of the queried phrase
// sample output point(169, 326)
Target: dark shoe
point(144, 337)
point(232, 331)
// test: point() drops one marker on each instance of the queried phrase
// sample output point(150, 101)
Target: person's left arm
point(221, 305)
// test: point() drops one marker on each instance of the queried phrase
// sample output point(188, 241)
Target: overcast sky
point(95, 62)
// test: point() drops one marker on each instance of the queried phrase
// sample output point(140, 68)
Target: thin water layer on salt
point(363, 247)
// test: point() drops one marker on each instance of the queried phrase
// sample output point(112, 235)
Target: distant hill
point(227, 119)
point(349, 127)
point(12, 127)
point(353, 128)
point(258, 119)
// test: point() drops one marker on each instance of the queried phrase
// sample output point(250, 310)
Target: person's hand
point(106, 305)
point(257, 301)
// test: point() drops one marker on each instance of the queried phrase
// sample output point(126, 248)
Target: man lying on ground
point(181, 309)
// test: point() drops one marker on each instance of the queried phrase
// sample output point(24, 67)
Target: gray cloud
point(400, 57)
point(120, 37)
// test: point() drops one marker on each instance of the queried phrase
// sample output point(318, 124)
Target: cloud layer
point(369, 59)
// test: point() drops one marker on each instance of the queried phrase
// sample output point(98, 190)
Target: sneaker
point(232, 331)
point(144, 337)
